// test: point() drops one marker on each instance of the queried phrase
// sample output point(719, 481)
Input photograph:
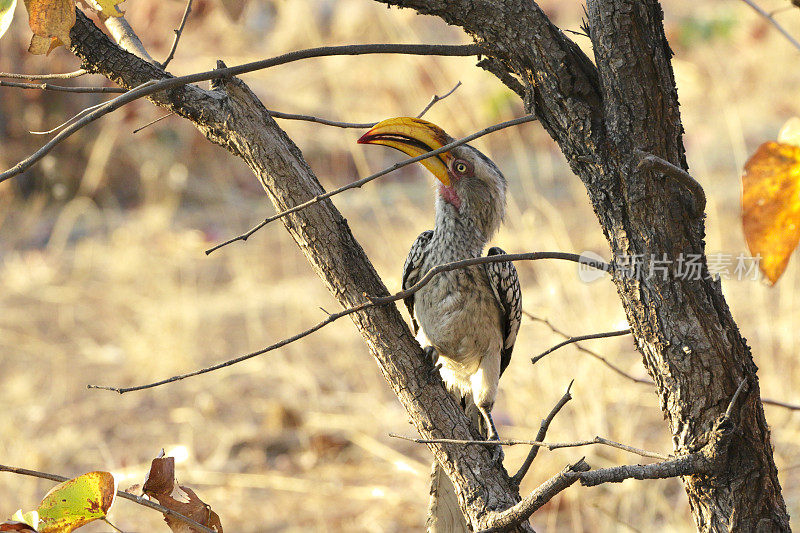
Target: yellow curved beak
point(414, 137)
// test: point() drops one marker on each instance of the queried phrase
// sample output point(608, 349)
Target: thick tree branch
point(510, 518)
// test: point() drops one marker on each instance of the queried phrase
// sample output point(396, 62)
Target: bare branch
point(372, 302)
point(589, 352)
point(159, 119)
point(777, 403)
point(549, 445)
point(774, 22)
point(70, 120)
point(122, 494)
point(510, 518)
point(362, 181)
point(736, 394)
point(681, 466)
point(580, 338)
point(62, 76)
point(323, 121)
point(517, 478)
point(354, 125)
point(153, 86)
point(178, 33)
point(61, 88)
point(437, 98)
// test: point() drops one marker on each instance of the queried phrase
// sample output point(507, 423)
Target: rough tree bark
point(603, 117)
point(600, 116)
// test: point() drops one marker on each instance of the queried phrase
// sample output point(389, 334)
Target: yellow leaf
point(107, 7)
point(50, 19)
point(31, 518)
point(76, 502)
point(6, 14)
point(771, 205)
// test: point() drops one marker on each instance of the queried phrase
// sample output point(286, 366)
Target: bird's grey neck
point(457, 235)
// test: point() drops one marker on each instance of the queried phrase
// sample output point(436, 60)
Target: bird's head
point(470, 184)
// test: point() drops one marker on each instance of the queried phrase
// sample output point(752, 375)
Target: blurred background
point(103, 279)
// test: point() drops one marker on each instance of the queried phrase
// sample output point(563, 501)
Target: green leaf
point(6, 14)
point(77, 502)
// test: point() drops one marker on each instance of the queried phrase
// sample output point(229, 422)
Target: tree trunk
point(603, 117)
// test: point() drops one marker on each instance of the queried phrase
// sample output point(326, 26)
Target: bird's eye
point(460, 167)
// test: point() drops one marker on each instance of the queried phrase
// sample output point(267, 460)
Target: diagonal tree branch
point(233, 117)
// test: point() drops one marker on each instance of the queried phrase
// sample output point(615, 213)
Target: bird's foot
point(433, 356)
point(497, 451)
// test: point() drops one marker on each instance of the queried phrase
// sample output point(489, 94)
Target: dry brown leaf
point(160, 484)
point(771, 205)
point(13, 525)
point(50, 21)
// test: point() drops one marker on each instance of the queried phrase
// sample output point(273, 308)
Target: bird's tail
point(444, 513)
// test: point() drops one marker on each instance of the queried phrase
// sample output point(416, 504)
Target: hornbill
point(466, 318)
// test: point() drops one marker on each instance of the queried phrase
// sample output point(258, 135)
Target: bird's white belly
point(463, 325)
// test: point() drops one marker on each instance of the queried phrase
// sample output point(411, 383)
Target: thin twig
point(137, 130)
point(353, 125)
point(61, 88)
point(773, 22)
point(735, 397)
point(790, 406)
point(517, 478)
point(437, 98)
point(178, 33)
point(319, 120)
point(640, 381)
point(549, 445)
point(580, 338)
point(62, 76)
point(589, 352)
point(372, 302)
point(120, 493)
point(153, 86)
point(70, 120)
point(358, 183)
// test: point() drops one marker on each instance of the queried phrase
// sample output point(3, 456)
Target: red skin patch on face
point(450, 196)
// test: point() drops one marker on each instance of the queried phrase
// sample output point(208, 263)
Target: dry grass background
point(103, 277)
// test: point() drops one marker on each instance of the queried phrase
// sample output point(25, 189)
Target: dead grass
point(297, 440)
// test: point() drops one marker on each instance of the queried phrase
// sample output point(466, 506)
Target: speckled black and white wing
point(412, 270)
point(505, 284)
